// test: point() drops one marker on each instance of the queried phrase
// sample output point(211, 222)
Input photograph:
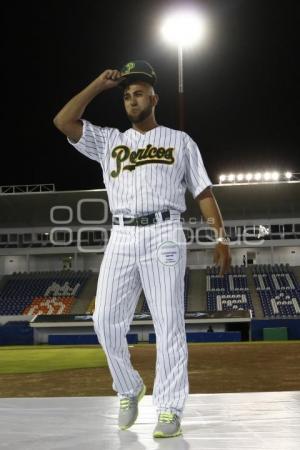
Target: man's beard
point(141, 116)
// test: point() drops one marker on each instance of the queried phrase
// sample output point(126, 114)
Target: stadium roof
point(237, 202)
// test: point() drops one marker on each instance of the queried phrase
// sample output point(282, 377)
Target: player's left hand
point(222, 257)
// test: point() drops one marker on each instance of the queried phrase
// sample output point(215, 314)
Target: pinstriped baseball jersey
point(145, 173)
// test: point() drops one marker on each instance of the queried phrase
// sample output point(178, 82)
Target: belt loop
point(175, 214)
point(120, 219)
point(158, 216)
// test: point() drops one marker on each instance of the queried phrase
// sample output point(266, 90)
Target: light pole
point(180, 88)
point(183, 29)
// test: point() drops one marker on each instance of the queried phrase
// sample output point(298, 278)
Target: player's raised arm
point(68, 118)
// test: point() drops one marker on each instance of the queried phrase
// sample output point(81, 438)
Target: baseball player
point(146, 171)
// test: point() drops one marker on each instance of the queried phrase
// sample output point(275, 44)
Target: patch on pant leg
point(168, 253)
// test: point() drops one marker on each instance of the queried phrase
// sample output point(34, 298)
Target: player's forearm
point(211, 212)
point(75, 107)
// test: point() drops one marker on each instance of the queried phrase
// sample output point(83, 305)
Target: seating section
point(49, 306)
point(278, 290)
point(229, 292)
point(56, 292)
point(145, 308)
point(22, 289)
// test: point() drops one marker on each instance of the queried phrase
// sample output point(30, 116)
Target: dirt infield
point(213, 368)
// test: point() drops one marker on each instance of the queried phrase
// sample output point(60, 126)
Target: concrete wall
point(287, 255)
point(10, 264)
point(34, 263)
point(20, 318)
point(198, 258)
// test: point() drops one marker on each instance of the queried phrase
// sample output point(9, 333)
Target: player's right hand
point(109, 79)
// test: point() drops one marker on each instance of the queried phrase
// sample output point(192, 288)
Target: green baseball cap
point(138, 70)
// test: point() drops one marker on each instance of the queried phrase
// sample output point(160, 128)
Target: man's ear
point(155, 99)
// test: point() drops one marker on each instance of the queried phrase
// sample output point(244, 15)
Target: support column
point(272, 255)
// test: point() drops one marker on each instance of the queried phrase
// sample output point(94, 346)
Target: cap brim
point(133, 77)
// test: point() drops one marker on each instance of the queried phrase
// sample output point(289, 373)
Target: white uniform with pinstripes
point(151, 257)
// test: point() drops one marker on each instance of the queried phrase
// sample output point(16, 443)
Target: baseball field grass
point(69, 371)
point(18, 360)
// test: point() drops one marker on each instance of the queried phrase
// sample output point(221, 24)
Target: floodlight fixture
point(275, 176)
point(257, 176)
point(184, 28)
point(288, 175)
point(267, 176)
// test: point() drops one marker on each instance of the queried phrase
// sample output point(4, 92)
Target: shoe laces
point(167, 417)
point(127, 403)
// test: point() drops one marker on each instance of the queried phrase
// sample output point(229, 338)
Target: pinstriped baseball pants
point(152, 258)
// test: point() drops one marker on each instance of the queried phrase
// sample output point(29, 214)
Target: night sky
point(241, 87)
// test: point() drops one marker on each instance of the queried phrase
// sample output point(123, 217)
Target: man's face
point(139, 101)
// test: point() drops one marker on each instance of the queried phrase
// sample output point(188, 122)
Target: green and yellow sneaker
point(168, 425)
point(128, 411)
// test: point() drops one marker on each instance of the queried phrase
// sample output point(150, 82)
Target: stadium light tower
point(184, 29)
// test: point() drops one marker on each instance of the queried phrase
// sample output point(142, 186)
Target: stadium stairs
point(197, 285)
point(3, 280)
point(296, 271)
point(88, 292)
point(254, 295)
point(139, 306)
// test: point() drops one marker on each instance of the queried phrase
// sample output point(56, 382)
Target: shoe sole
point(140, 396)
point(160, 434)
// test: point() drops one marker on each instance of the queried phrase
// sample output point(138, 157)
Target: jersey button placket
point(135, 179)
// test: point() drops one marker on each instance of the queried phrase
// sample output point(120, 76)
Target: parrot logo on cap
point(129, 67)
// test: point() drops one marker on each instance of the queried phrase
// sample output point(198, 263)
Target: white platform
point(211, 421)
